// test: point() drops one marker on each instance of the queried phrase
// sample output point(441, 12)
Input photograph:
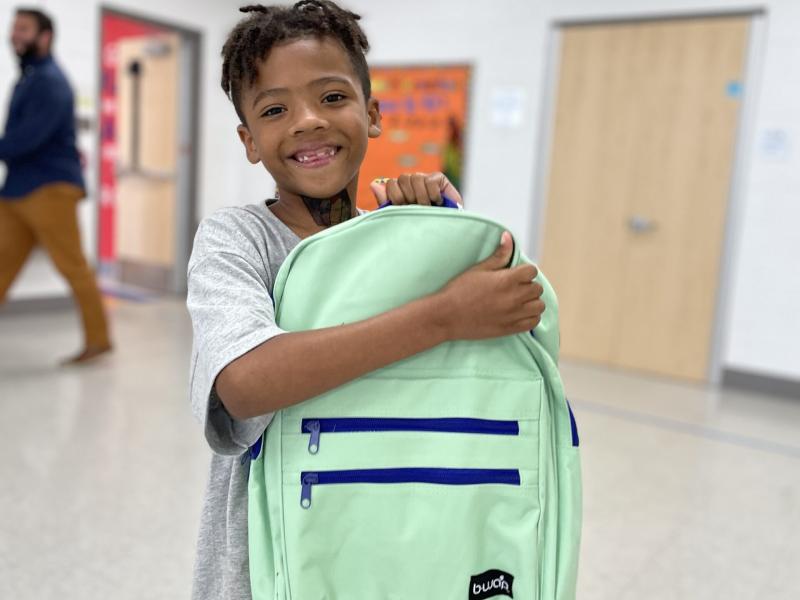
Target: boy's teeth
point(307, 156)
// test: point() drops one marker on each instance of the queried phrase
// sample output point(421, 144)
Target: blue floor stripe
point(701, 431)
point(126, 294)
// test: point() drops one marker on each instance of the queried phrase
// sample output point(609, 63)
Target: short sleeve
point(230, 304)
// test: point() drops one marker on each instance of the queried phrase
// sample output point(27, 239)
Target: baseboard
point(758, 382)
point(151, 277)
point(23, 306)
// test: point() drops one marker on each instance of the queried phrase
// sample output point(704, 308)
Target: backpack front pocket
point(316, 427)
point(405, 475)
point(408, 532)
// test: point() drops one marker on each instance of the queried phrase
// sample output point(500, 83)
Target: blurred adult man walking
point(44, 183)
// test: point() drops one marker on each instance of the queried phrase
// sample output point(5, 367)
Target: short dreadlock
point(265, 26)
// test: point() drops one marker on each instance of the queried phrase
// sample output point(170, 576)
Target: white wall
point(506, 42)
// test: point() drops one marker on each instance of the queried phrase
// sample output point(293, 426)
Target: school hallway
point(690, 492)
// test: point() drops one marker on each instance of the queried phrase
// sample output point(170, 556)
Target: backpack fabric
point(451, 475)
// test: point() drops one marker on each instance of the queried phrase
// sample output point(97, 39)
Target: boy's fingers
point(443, 187)
point(525, 273)
point(530, 292)
point(451, 192)
point(378, 188)
point(527, 324)
point(433, 190)
point(404, 183)
point(420, 191)
point(534, 308)
point(419, 188)
point(501, 256)
point(395, 194)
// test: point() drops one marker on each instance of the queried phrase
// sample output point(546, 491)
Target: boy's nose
point(308, 120)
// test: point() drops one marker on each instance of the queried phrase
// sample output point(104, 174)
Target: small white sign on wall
point(775, 145)
point(507, 107)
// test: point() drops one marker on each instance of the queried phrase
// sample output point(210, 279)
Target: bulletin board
point(424, 116)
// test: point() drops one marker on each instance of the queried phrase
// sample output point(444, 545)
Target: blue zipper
point(573, 427)
point(438, 476)
point(253, 451)
point(446, 203)
point(361, 424)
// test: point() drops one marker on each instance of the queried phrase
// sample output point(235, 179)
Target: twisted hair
point(265, 26)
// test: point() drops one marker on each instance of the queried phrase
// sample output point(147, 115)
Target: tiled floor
point(690, 493)
point(102, 467)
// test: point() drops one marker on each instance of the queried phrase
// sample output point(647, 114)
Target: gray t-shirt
point(236, 256)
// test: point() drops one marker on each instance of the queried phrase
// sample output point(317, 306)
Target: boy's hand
point(490, 300)
point(419, 188)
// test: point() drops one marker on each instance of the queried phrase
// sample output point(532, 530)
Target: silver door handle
point(639, 224)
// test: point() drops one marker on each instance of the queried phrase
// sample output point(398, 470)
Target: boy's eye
point(272, 111)
point(333, 97)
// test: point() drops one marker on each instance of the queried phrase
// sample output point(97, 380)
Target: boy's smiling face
point(307, 119)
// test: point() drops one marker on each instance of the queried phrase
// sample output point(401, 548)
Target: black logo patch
point(491, 583)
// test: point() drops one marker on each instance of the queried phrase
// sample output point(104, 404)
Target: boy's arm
point(486, 301)
point(292, 367)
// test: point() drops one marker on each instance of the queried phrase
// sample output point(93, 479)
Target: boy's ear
point(374, 114)
point(249, 145)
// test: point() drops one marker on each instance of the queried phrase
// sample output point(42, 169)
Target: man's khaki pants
point(48, 217)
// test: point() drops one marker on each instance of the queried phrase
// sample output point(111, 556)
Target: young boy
point(299, 82)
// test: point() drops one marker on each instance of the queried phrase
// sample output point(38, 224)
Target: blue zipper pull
point(313, 444)
point(308, 479)
point(252, 452)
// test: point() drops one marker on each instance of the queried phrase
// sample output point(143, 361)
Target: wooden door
point(147, 81)
point(643, 145)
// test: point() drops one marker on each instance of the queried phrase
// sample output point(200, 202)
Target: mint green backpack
point(451, 475)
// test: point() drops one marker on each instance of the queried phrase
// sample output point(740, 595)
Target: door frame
point(189, 135)
point(745, 134)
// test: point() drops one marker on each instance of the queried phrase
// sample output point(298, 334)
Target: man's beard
point(29, 51)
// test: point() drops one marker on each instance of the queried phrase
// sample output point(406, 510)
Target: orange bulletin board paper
point(424, 113)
